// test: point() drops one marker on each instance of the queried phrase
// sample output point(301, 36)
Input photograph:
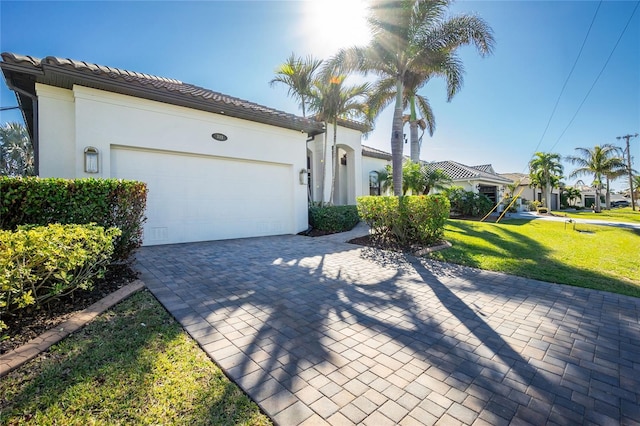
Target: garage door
point(201, 198)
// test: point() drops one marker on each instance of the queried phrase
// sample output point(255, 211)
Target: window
point(374, 186)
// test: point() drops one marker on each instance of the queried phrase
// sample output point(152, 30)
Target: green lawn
point(603, 258)
point(614, 215)
point(132, 365)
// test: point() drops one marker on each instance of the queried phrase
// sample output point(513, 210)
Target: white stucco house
point(530, 193)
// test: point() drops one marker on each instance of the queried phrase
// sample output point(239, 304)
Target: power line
point(598, 77)
point(568, 77)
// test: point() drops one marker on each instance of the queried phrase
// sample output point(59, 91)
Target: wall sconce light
point(91, 159)
point(304, 176)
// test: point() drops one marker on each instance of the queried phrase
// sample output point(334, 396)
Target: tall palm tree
point(411, 36)
point(545, 170)
point(299, 74)
point(331, 101)
point(599, 161)
point(16, 151)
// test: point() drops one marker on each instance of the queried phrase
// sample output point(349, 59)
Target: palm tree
point(330, 100)
point(572, 194)
point(299, 74)
point(16, 151)
point(600, 162)
point(434, 179)
point(545, 171)
point(412, 36)
point(385, 179)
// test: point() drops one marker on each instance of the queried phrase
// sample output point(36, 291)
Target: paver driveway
point(319, 331)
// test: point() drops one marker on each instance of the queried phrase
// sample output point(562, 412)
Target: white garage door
point(201, 198)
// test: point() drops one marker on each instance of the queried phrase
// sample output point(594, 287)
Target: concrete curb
point(15, 358)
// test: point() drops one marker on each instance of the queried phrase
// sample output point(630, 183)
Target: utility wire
point(568, 77)
point(598, 77)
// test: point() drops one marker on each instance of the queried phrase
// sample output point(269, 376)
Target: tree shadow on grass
point(303, 325)
point(519, 254)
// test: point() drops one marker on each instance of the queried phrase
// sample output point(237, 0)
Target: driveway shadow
point(311, 328)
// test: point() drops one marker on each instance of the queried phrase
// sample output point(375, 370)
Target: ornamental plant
point(408, 220)
point(39, 264)
point(105, 202)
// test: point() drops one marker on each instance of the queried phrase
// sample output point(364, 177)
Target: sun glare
point(330, 25)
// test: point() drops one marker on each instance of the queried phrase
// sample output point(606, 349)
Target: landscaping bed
point(31, 322)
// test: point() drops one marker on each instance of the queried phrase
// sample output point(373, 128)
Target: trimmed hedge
point(333, 218)
point(43, 263)
point(415, 219)
point(106, 202)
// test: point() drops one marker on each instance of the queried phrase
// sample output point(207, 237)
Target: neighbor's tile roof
point(487, 168)
point(457, 171)
point(524, 179)
point(62, 72)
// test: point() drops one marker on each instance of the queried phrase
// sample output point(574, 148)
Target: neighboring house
point(480, 179)
point(588, 195)
point(530, 193)
point(217, 167)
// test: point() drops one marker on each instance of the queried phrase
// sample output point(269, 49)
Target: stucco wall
point(370, 164)
point(56, 127)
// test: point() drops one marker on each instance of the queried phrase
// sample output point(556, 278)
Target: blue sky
point(499, 117)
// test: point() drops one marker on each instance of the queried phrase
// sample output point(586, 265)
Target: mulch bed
point(32, 322)
point(385, 244)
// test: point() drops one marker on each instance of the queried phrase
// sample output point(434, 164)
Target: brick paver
point(317, 330)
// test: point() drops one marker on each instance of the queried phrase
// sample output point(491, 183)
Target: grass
point(132, 365)
point(614, 215)
point(600, 257)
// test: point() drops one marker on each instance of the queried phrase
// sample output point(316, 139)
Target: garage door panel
point(199, 198)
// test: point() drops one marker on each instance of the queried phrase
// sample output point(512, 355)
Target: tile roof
point(368, 151)
point(62, 72)
point(524, 179)
point(457, 171)
point(488, 168)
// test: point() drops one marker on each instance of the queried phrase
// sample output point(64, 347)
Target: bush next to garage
point(408, 220)
point(39, 264)
point(333, 218)
point(106, 202)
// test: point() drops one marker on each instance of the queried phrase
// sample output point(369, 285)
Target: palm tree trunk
point(334, 161)
point(324, 166)
point(396, 141)
point(413, 131)
point(598, 208)
point(607, 196)
point(547, 196)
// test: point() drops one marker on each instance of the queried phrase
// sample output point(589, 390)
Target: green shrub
point(333, 218)
point(467, 203)
point(39, 264)
point(417, 219)
point(106, 202)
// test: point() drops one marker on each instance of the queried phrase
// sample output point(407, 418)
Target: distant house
point(530, 193)
point(481, 179)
